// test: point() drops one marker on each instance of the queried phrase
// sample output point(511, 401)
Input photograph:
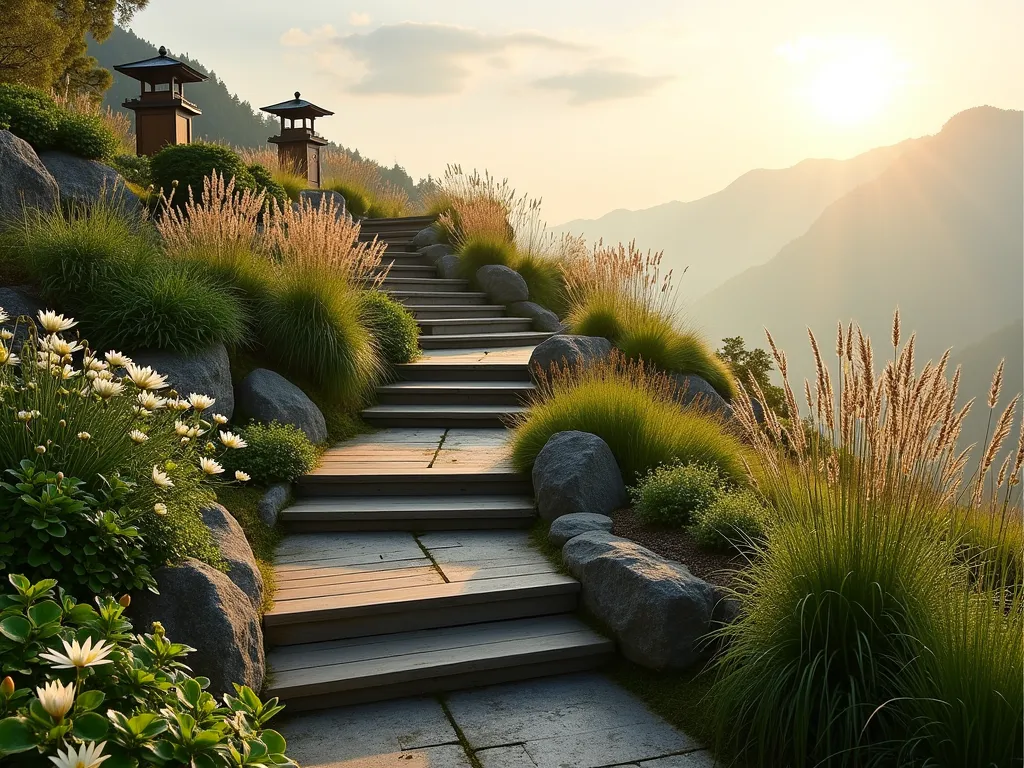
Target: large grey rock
point(274, 500)
point(235, 549)
point(695, 391)
point(569, 526)
point(205, 373)
point(425, 237)
point(658, 612)
point(16, 302)
point(434, 252)
point(317, 197)
point(200, 606)
point(566, 349)
point(501, 284)
point(24, 180)
point(87, 182)
point(576, 472)
point(448, 267)
point(543, 319)
point(267, 396)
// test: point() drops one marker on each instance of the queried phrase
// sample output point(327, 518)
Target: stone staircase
point(406, 569)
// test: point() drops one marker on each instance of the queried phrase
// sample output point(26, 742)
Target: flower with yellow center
point(201, 402)
point(80, 656)
point(89, 362)
point(54, 323)
point(84, 436)
point(151, 402)
point(209, 466)
point(5, 334)
point(56, 699)
point(115, 358)
point(144, 377)
point(59, 346)
point(160, 509)
point(231, 440)
point(160, 479)
point(106, 388)
point(86, 756)
point(219, 418)
point(180, 428)
point(138, 437)
point(241, 476)
point(177, 404)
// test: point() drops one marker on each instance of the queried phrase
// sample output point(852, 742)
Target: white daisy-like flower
point(105, 375)
point(4, 317)
point(92, 364)
point(106, 388)
point(145, 377)
point(59, 346)
point(160, 509)
point(219, 418)
point(231, 440)
point(151, 401)
point(185, 440)
point(86, 756)
point(25, 416)
point(160, 479)
point(10, 359)
point(137, 436)
point(84, 436)
point(54, 323)
point(241, 476)
point(81, 656)
point(181, 428)
point(200, 402)
point(68, 372)
point(209, 466)
point(56, 699)
point(177, 404)
point(115, 358)
point(5, 334)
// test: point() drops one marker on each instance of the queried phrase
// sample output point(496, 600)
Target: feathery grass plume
point(322, 236)
point(366, 191)
point(632, 408)
point(887, 593)
point(455, 184)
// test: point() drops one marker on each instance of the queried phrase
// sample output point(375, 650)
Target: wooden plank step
point(454, 393)
point(441, 298)
point(399, 479)
point(455, 416)
point(464, 325)
point(399, 269)
point(428, 284)
point(484, 340)
point(402, 222)
point(443, 312)
point(334, 673)
point(436, 371)
point(349, 601)
point(396, 233)
point(409, 513)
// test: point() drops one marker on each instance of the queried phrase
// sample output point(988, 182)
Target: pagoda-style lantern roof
point(161, 69)
point(297, 108)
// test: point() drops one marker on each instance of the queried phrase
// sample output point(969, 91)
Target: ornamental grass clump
point(394, 328)
point(106, 468)
point(366, 191)
point(636, 411)
point(80, 687)
point(867, 634)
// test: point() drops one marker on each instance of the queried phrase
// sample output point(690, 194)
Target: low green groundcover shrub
point(672, 495)
point(275, 453)
point(108, 471)
point(635, 412)
point(393, 327)
point(264, 180)
point(732, 521)
point(30, 114)
point(86, 136)
point(189, 164)
point(80, 688)
point(134, 169)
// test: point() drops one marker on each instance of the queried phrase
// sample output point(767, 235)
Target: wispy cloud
point(602, 84)
point(359, 19)
point(297, 38)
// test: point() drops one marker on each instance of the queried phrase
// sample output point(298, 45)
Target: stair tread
point(468, 410)
point(406, 504)
point(434, 280)
point(474, 321)
point(399, 657)
point(452, 294)
point(455, 387)
point(519, 335)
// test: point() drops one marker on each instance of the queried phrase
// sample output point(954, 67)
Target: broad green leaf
point(275, 741)
point(91, 726)
point(44, 613)
point(15, 735)
point(16, 628)
point(88, 701)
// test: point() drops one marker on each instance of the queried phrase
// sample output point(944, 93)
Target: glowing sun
point(854, 86)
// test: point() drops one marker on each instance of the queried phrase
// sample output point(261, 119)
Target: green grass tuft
point(481, 251)
point(243, 504)
point(392, 326)
point(357, 201)
point(545, 280)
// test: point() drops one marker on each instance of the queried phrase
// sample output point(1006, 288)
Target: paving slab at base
point(572, 721)
point(409, 733)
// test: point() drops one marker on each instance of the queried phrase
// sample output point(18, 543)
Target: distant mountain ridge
point(745, 224)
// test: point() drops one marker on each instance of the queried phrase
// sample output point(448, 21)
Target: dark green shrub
point(276, 453)
point(30, 113)
point(730, 522)
point(134, 169)
point(264, 180)
point(189, 164)
point(139, 706)
point(50, 527)
point(311, 324)
point(672, 495)
point(394, 329)
point(479, 252)
point(86, 136)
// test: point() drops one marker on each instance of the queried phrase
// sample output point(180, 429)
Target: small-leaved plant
point(672, 495)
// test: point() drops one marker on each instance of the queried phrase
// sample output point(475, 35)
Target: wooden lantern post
point(162, 113)
point(298, 146)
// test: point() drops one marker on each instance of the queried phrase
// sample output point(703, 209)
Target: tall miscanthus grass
point(636, 410)
point(456, 184)
point(864, 637)
point(366, 191)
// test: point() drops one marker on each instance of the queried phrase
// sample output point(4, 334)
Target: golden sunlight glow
point(854, 85)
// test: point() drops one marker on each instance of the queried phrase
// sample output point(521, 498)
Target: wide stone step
point(453, 416)
point(401, 269)
point(388, 233)
point(371, 480)
point(438, 298)
point(403, 257)
point(484, 340)
point(424, 284)
point(328, 674)
point(464, 325)
point(405, 223)
point(408, 513)
point(455, 393)
point(455, 311)
point(458, 372)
